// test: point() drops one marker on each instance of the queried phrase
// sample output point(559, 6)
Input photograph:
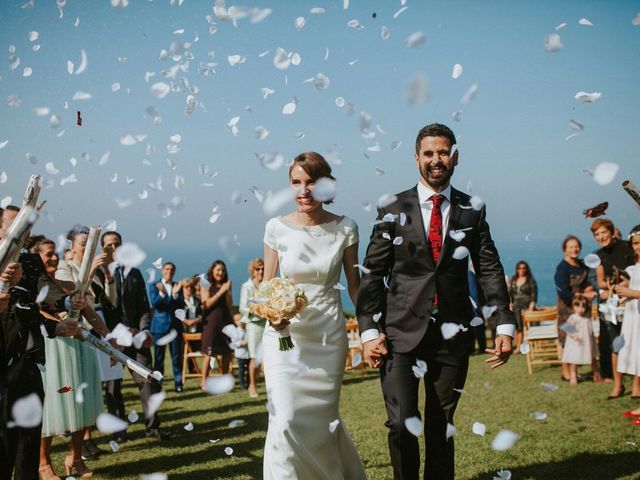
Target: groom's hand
point(375, 351)
point(501, 352)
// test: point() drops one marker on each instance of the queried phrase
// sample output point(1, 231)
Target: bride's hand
point(281, 326)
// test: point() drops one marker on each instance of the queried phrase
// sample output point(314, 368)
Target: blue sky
point(512, 135)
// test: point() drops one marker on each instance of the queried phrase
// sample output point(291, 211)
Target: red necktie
point(435, 227)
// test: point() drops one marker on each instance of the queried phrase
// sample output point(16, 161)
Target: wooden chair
point(541, 334)
point(354, 354)
point(190, 357)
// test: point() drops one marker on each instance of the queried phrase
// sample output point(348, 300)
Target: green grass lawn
point(584, 436)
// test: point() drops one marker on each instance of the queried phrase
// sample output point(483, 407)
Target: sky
point(517, 149)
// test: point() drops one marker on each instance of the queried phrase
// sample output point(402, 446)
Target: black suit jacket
point(132, 304)
point(412, 279)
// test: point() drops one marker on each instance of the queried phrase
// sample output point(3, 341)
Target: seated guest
point(523, 290)
point(166, 298)
point(192, 308)
point(615, 256)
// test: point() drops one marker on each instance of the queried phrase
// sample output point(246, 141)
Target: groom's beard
point(439, 181)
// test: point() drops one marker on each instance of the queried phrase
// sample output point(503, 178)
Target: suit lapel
point(454, 220)
point(414, 211)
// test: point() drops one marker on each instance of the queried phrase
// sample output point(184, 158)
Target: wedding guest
point(239, 343)
point(70, 364)
point(69, 271)
point(192, 308)
point(615, 255)
point(132, 310)
point(166, 298)
point(629, 354)
point(571, 278)
point(580, 344)
point(523, 290)
point(255, 325)
point(217, 302)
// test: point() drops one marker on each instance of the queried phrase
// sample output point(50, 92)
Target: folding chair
point(354, 356)
point(190, 357)
point(541, 334)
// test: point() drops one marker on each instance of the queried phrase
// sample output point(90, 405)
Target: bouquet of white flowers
point(278, 300)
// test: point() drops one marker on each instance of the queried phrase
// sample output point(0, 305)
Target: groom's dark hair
point(435, 130)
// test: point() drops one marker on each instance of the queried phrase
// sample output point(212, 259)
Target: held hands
point(12, 274)
point(68, 328)
point(375, 351)
point(501, 352)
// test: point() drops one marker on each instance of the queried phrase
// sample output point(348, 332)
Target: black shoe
point(178, 388)
point(157, 433)
point(86, 454)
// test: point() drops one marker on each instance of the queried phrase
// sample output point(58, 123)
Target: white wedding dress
point(307, 439)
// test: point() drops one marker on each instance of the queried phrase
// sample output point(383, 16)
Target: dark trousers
point(113, 398)
point(176, 356)
point(608, 331)
point(146, 388)
point(400, 389)
point(243, 372)
point(480, 335)
point(20, 447)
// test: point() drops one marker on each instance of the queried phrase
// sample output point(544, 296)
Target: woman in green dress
point(71, 379)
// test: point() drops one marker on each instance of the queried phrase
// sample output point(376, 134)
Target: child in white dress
point(580, 346)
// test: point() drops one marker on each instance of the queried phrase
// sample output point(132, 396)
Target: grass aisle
point(583, 437)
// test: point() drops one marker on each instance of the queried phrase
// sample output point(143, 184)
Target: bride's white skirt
point(303, 384)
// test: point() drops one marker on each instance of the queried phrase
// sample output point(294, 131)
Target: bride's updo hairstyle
point(314, 165)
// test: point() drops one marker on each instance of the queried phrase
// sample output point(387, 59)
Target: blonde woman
point(255, 325)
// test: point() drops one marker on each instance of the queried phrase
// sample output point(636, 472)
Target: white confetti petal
point(154, 402)
point(27, 72)
point(362, 268)
point(355, 24)
point(107, 423)
point(585, 21)
point(2, 145)
point(80, 95)
point(476, 202)
point(189, 427)
point(333, 425)
point(33, 36)
point(417, 90)
point(539, 416)
point(317, 10)
point(129, 255)
point(470, 94)
point(549, 386)
point(451, 430)
point(385, 33)
point(228, 451)
point(339, 286)
point(413, 425)
point(132, 417)
point(83, 63)
point(26, 412)
point(636, 20)
point(449, 330)
point(460, 253)
point(592, 260)
point(398, 241)
point(420, 368)
point(575, 125)
point(476, 322)
point(299, 23)
point(457, 71)
point(385, 200)
point(236, 59)
point(524, 348)
point(219, 385)
point(479, 428)
point(340, 102)
point(324, 190)
point(552, 43)
point(377, 317)
point(416, 39)
point(400, 12)
point(457, 235)
point(503, 475)
point(114, 446)
point(585, 97)
point(487, 310)
point(160, 89)
point(504, 440)
point(289, 108)
point(605, 173)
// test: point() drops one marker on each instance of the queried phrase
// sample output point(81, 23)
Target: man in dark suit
point(132, 310)
point(166, 298)
point(416, 297)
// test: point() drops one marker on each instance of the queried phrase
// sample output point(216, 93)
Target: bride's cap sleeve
point(351, 230)
point(270, 234)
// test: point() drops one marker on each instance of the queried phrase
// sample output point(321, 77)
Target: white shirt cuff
point(506, 329)
point(369, 334)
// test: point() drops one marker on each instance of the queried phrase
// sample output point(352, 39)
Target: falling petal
point(80, 95)
point(460, 253)
point(416, 39)
point(503, 475)
point(414, 426)
point(160, 89)
point(188, 427)
point(586, 22)
point(299, 23)
point(27, 72)
point(504, 440)
point(107, 423)
point(385, 33)
point(419, 369)
point(457, 71)
point(397, 241)
point(362, 268)
point(476, 322)
point(377, 317)
point(129, 255)
point(552, 43)
point(470, 94)
point(451, 430)
point(51, 169)
point(289, 108)
point(114, 446)
point(605, 173)
point(2, 145)
point(154, 402)
point(539, 416)
point(457, 235)
point(325, 190)
point(449, 330)
point(585, 97)
point(228, 451)
point(476, 202)
point(156, 475)
point(355, 24)
point(385, 200)
point(479, 428)
point(340, 102)
point(236, 59)
point(220, 385)
point(636, 20)
point(115, 87)
point(83, 63)
point(333, 425)
point(26, 412)
point(575, 125)
point(592, 260)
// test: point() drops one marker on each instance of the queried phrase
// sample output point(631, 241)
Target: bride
point(306, 438)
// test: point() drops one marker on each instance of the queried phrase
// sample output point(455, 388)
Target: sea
point(542, 256)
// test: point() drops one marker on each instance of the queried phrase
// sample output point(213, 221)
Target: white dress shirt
point(426, 205)
point(168, 289)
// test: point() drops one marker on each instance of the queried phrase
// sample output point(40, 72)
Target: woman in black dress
point(216, 305)
point(524, 296)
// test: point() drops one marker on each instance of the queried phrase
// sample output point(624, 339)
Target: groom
point(417, 256)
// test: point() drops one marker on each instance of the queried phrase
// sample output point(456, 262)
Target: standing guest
point(166, 298)
point(216, 305)
point(69, 271)
point(427, 288)
point(524, 296)
point(615, 255)
point(629, 354)
point(580, 344)
point(239, 344)
point(255, 324)
point(70, 363)
point(132, 310)
point(571, 278)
